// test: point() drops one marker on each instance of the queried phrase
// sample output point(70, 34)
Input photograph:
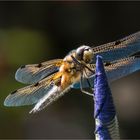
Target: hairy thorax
point(69, 71)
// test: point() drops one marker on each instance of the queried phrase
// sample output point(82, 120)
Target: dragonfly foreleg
point(88, 76)
point(81, 86)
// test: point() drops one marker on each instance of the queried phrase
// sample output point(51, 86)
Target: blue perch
point(104, 109)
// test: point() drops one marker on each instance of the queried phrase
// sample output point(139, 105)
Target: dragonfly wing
point(30, 74)
point(115, 70)
point(123, 68)
point(31, 94)
point(118, 49)
point(47, 99)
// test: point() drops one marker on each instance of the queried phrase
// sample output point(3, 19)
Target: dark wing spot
point(36, 84)
point(136, 55)
point(23, 66)
point(117, 42)
point(13, 92)
point(107, 63)
point(39, 65)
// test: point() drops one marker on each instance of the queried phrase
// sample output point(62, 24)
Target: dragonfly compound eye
point(80, 52)
point(84, 53)
point(87, 54)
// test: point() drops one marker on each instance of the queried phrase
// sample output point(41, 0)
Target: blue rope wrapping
point(104, 109)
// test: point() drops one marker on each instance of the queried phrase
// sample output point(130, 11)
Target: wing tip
point(18, 76)
point(6, 102)
point(9, 100)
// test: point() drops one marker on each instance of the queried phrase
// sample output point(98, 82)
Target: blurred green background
point(32, 32)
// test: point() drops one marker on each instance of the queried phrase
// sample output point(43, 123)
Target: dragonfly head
point(84, 53)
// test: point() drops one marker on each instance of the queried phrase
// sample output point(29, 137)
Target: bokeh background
point(32, 32)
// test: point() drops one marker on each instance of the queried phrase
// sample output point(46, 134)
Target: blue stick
point(104, 109)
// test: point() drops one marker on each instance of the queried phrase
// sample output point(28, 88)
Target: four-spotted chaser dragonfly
point(51, 79)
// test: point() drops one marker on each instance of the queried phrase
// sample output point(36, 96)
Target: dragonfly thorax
point(84, 53)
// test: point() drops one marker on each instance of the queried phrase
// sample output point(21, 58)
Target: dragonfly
point(48, 81)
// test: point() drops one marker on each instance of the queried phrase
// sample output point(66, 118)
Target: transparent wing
point(47, 99)
point(115, 70)
point(118, 49)
point(123, 68)
point(33, 93)
point(33, 73)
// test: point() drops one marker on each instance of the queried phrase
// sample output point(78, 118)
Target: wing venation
point(115, 70)
point(119, 49)
point(29, 74)
point(33, 93)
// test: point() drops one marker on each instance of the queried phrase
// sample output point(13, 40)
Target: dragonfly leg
point(88, 81)
point(81, 86)
point(88, 76)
